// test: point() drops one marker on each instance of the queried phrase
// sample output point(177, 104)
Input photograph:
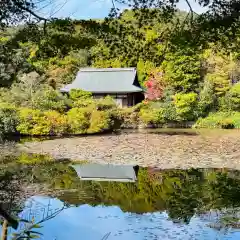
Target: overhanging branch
point(31, 12)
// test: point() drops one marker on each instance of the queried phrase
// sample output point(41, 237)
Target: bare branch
point(192, 12)
point(113, 3)
point(30, 11)
point(60, 8)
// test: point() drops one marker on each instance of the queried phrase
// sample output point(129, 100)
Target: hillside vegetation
point(185, 79)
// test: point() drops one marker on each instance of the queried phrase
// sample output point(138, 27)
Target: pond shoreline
point(166, 150)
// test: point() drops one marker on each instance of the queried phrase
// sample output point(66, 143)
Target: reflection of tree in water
point(17, 183)
point(11, 197)
point(182, 193)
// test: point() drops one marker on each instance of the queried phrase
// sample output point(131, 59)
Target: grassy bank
point(224, 120)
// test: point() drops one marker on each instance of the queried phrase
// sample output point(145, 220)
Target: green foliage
point(35, 122)
point(50, 99)
point(13, 61)
point(167, 103)
point(144, 69)
point(207, 99)
point(130, 116)
point(30, 159)
point(232, 98)
point(106, 103)
point(81, 99)
point(182, 70)
point(221, 69)
point(196, 79)
point(89, 120)
point(185, 105)
point(58, 123)
point(100, 121)
point(8, 119)
point(78, 119)
point(78, 94)
point(221, 82)
point(84, 103)
point(22, 93)
point(151, 116)
point(32, 122)
point(223, 120)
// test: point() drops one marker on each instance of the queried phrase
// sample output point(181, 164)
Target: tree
point(15, 11)
point(13, 61)
point(207, 99)
point(221, 70)
point(185, 105)
point(221, 15)
point(232, 98)
point(182, 70)
point(22, 93)
point(155, 86)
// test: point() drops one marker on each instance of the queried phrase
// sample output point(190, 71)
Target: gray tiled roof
point(105, 80)
point(105, 172)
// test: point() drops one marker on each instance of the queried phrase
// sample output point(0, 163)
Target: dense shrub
point(141, 105)
point(81, 99)
point(58, 123)
point(84, 103)
point(167, 104)
point(35, 122)
point(186, 105)
point(22, 92)
point(116, 118)
point(100, 121)
point(78, 94)
point(50, 99)
point(225, 120)
point(129, 117)
point(32, 122)
point(167, 108)
point(79, 120)
point(207, 99)
point(8, 119)
point(105, 103)
point(231, 101)
point(152, 116)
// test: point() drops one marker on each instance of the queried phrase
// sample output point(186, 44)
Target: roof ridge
point(106, 69)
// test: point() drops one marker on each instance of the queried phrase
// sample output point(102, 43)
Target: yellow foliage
point(220, 67)
point(78, 119)
point(99, 122)
point(151, 34)
point(35, 122)
point(25, 158)
point(58, 122)
point(33, 51)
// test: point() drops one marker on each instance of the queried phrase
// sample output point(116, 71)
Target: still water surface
point(163, 204)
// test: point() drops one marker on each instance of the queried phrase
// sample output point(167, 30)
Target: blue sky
point(86, 9)
point(92, 223)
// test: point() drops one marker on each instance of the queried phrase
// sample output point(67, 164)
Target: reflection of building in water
point(106, 172)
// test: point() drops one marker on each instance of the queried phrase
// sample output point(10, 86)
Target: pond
point(164, 148)
point(55, 203)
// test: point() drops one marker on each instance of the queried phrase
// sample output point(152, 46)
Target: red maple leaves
point(155, 86)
